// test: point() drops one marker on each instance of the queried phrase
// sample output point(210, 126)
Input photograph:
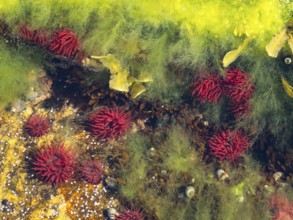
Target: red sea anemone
point(240, 109)
point(39, 37)
point(228, 145)
point(109, 123)
point(37, 125)
point(92, 171)
point(64, 43)
point(282, 208)
point(278, 201)
point(207, 88)
point(42, 38)
point(26, 33)
point(238, 85)
point(282, 215)
point(54, 164)
point(130, 215)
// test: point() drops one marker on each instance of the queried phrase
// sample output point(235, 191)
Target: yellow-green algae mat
point(25, 196)
point(146, 37)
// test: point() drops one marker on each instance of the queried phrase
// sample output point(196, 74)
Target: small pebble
point(5, 202)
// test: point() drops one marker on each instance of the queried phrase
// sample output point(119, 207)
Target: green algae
point(172, 45)
point(150, 180)
point(148, 38)
point(17, 72)
point(271, 107)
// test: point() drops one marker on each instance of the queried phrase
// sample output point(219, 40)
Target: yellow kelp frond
point(276, 44)
point(119, 75)
point(120, 79)
point(232, 55)
point(136, 90)
point(137, 86)
point(110, 62)
point(288, 88)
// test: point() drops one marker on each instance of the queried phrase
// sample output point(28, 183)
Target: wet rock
point(5, 202)
point(42, 91)
point(18, 106)
point(111, 183)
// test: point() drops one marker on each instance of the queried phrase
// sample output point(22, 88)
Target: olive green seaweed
point(179, 155)
point(271, 107)
point(136, 169)
point(213, 199)
point(238, 199)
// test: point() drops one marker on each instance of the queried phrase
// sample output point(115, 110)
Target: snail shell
point(222, 175)
point(112, 213)
point(189, 192)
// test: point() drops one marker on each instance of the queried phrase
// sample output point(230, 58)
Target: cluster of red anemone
point(92, 171)
point(39, 37)
point(130, 214)
point(37, 125)
point(239, 88)
point(54, 164)
point(236, 85)
point(229, 145)
point(64, 42)
point(109, 123)
point(207, 89)
point(282, 208)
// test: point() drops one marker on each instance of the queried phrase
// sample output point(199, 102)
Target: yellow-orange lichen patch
point(86, 201)
point(26, 197)
point(17, 189)
point(55, 208)
point(11, 152)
